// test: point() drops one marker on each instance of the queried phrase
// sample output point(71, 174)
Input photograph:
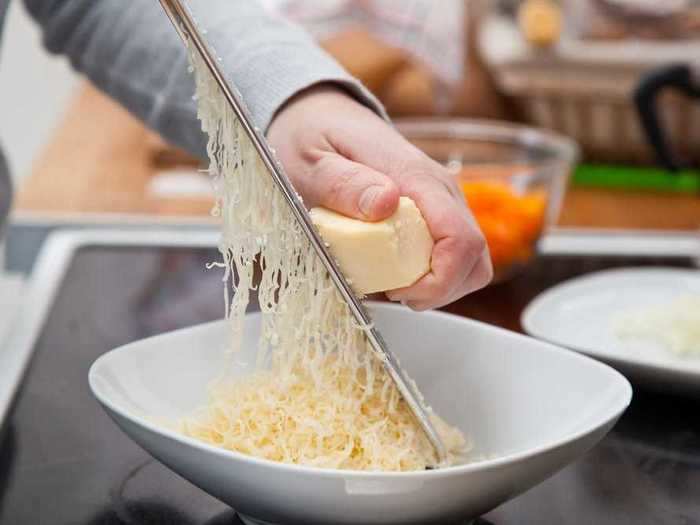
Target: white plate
point(579, 314)
point(528, 406)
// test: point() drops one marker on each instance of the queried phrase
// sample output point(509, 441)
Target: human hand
point(341, 155)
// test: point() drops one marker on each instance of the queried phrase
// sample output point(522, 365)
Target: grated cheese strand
point(319, 395)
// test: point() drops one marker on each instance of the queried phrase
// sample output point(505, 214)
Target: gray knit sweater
point(130, 50)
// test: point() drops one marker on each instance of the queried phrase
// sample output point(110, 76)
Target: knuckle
point(462, 247)
point(484, 274)
point(322, 166)
point(340, 184)
point(476, 245)
point(441, 288)
point(449, 183)
point(310, 156)
point(412, 171)
point(467, 246)
point(427, 171)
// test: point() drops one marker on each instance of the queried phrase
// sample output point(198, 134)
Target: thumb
point(352, 189)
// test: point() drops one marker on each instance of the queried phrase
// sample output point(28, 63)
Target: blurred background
point(616, 77)
point(572, 128)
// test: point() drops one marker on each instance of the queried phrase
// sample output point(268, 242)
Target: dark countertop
point(62, 460)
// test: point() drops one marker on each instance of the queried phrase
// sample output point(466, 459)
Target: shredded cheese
point(676, 325)
point(319, 395)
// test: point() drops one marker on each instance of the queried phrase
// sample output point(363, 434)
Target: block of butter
point(378, 256)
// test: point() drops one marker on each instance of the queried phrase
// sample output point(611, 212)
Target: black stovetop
point(63, 461)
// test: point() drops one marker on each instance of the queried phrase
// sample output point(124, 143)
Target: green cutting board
point(636, 178)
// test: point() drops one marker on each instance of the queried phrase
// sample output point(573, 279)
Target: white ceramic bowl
point(529, 407)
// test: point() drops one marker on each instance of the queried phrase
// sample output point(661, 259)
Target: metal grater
point(187, 28)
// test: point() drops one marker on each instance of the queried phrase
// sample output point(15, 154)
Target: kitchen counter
point(106, 164)
point(63, 461)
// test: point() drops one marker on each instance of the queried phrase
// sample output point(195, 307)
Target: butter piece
point(378, 256)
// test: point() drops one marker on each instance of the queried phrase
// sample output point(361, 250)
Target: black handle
point(679, 77)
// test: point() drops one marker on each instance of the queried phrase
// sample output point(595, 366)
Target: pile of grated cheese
point(676, 325)
point(337, 418)
point(319, 395)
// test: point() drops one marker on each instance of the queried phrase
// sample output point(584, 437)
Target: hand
point(340, 155)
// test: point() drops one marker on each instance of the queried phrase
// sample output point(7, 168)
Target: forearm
point(130, 51)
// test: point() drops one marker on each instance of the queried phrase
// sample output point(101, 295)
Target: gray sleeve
point(131, 51)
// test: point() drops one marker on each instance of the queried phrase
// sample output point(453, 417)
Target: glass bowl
point(513, 177)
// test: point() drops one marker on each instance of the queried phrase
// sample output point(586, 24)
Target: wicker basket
point(585, 91)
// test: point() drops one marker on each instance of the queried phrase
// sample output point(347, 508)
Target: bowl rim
point(536, 304)
point(566, 149)
point(614, 411)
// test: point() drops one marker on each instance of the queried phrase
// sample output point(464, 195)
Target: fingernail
point(367, 199)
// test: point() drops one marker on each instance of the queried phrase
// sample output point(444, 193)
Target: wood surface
point(101, 159)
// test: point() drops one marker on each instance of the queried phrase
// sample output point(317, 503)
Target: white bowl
point(529, 407)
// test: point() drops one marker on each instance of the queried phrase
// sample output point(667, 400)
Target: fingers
point(455, 272)
point(351, 188)
point(477, 278)
point(460, 262)
point(349, 160)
